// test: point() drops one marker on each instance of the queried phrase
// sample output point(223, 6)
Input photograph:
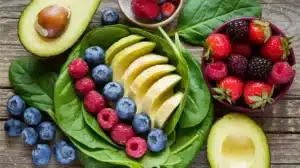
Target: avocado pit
point(52, 21)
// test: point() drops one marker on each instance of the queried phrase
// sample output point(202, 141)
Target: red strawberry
point(230, 89)
point(260, 32)
point(168, 9)
point(244, 49)
point(282, 73)
point(216, 71)
point(218, 46)
point(258, 94)
point(145, 9)
point(276, 49)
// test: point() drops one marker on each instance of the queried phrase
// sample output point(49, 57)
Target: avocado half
point(82, 12)
point(236, 141)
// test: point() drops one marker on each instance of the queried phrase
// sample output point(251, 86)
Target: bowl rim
point(283, 90)
point(152, 25)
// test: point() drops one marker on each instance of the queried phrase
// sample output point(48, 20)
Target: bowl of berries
point(248, 64)
point(151, 13)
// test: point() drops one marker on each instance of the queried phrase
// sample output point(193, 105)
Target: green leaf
point(199, 18)
point(34, 81)
point(94, 125)
point(198, 99)
point(152, 159)
point(104, 158)
point(172, 160)
point(172, 138)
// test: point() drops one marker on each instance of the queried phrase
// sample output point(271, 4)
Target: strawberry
point(230, 89)
point(258, 94)
point(276, 49)
point(260, 32)
point(244, 49)
point(218, 46)
point(145, 9)
point(167, 9)
point(282, 72)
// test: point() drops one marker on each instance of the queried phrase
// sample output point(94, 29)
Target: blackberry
point(237, 65)
point(259, 68)
point(238, 30)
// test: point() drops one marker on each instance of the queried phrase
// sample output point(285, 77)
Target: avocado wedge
point(81, 14)
point(237, 141)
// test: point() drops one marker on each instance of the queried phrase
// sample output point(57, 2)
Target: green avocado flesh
point(236, 141)
point(81, 14)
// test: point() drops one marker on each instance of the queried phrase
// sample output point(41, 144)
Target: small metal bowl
point(125, 6)
point(241, 106)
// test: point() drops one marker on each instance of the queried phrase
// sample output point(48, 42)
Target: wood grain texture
point(281, 122)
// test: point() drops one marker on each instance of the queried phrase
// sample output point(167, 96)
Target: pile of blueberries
point(27, 122)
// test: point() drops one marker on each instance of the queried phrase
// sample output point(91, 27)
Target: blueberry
point(141, 123)
point(94, 55)
point(46, 131)
point(32, 116)
point(102, 74)
point(16, 105)
point(125, 108)
point(41, 154)
point(14, 127)
point(30, 136)
point(64, 153)
point(110, 16)
point(157, 140)
point(159, 17)
point(113, 91)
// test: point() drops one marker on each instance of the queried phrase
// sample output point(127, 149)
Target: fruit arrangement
point(28, 123)
point(154, 10)
point(248, 63)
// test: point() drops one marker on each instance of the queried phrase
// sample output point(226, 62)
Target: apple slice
point(146, 78)
point(138, 66)
point(166, 109)
point(126, 56)
point(156, 92)
point(120, 45)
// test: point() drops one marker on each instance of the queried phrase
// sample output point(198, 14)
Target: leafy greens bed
point(187, 128)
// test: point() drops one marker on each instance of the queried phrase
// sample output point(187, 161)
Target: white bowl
point(125, 6)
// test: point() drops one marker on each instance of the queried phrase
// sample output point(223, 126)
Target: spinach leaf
point(93, 124)
point(182, 69)
point(198, 99)
point(172, 138)
point(34, 82)
point(151, 159)
point(172, 160)
point(199, 18)
point(106, 157)
point(187, 136)
point(89, 162)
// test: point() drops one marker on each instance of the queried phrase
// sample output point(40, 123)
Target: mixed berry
point(247, 60)
point(28, 123)
point(154, 10)
point(117, 115)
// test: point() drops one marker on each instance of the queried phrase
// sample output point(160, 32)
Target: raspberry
point(78, 68)
point(242, 49)
point(282, 73)
point(168, 9)
point(94, 102)
point(121, 133)
point(136, 147)
point(84, 85)
point(145, 9)
point(107, 118)
point(216, 71)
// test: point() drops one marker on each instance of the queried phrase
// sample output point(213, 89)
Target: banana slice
point(147, 78)
point(138, 66)
point(120, 45)
point(166, 109)
point(126, 56)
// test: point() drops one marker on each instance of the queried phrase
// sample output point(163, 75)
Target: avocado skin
point(58, 49)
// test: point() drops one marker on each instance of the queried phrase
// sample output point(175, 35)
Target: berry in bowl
point(151, 13)
point(248, 64)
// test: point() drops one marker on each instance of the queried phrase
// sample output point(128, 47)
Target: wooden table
point(281, 122)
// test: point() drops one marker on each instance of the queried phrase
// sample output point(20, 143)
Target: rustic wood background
point(281, 122)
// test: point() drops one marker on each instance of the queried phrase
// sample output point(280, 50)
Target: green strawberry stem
point(222, 94)
point(263, 100)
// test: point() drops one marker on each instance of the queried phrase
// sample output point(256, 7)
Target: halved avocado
point(81, 14)
point(236, 141)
